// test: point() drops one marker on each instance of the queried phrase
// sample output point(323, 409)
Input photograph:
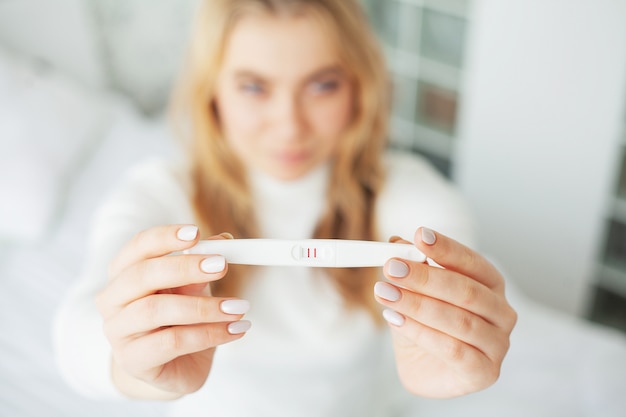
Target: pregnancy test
point(329, 253)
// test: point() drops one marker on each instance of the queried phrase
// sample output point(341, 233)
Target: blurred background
point(521, 103)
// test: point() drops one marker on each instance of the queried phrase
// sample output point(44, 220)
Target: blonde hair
point(221, 196)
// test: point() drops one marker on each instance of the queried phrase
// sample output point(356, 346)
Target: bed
point(63, 147)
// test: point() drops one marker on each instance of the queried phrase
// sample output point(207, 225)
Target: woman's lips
point(292, 157)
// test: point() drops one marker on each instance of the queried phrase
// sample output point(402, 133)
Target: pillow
point(143, 44)
point(48, 124)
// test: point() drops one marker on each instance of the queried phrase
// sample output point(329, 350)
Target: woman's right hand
point(159, 316)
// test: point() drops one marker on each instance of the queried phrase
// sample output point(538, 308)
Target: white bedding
point(47, 125)
point(558, 365)
point(35, 275)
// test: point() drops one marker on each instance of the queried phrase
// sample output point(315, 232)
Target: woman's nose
point(289, 118)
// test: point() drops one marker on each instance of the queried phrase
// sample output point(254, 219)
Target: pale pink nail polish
point(387, 291)
point(428, 236)
point(397, 268)
point(238, 327)
point(213, 264)
point(235, 306)
point(393, 317)
point(187, 233)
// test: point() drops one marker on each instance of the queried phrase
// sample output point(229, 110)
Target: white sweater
point(305, 355)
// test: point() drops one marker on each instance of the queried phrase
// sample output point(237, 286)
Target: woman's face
point(283, 99)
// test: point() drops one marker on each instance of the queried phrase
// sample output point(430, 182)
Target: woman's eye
point(325, 86)
point(252, 88)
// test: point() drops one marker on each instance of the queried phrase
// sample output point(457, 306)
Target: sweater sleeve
point(151, 195)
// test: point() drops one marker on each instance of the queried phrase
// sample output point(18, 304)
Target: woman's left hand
point(450, 325)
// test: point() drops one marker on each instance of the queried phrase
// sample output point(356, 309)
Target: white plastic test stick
point(329, 253)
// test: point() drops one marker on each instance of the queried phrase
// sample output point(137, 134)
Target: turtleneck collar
point(289, 209)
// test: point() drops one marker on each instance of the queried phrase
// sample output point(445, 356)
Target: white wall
point(539, 135)
point(58, 31)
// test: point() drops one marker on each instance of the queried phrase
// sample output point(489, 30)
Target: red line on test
point(308, 252)
point(315, 252)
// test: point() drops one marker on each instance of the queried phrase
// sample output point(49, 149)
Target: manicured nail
point(235, 306)
point(227, 235)
point(428, 236)
point(187, 233)
point(387, 291)
point(238, 327)
point(393, 317)
point(213, 264)
point(397, 269)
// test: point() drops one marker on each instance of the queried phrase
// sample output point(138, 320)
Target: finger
point(160, 310)
point(451, 287)
point(163, 346)
point(152, 275)
point(398, 239)
point(157, 241)
point(153, 242)
point(457, 257)
point(446, 318)
point(463, 359)
point(401, 240)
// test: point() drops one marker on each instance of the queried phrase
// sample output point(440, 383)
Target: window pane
point(384, 17)
point(442, 37)
point(621, 186)
point(609, 309)
point(436, 107)
point(615, 251)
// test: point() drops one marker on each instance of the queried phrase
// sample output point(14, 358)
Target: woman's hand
point(450, 325)
point(159, 315)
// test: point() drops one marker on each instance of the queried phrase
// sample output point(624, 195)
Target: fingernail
point(428, 236)
point(238, 327)
point(387, 291)
point(213, 264)
point(227, 235)
point(394, 239)
point(393, 317)
point(235, 306)
point(397, 269)
point(187, 233)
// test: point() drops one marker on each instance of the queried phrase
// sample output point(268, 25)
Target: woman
point(284, 107)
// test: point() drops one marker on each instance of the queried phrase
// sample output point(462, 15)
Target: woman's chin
point(288, 172)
